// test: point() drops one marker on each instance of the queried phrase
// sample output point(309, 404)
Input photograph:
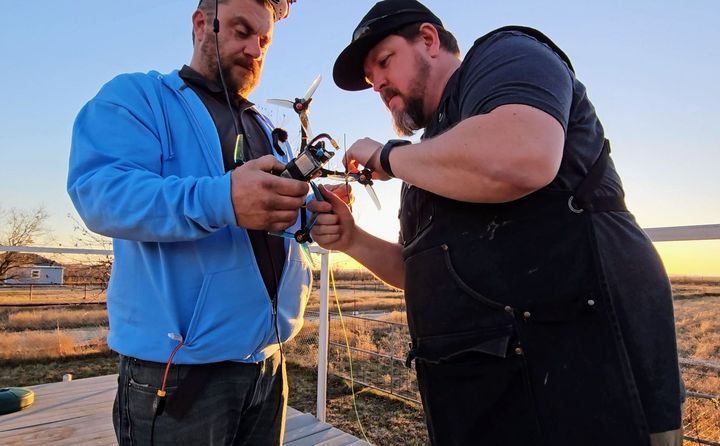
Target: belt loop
point(412, 354)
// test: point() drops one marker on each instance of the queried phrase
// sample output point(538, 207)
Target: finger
point(283, 203)
point(287, 186)
point(281, 222)
point(319, 206)
point(324, 231)
point(341, 191)
point(327, 220)
point(268, 163)
point(324, 240)
point(333, 199)
point(334, 187)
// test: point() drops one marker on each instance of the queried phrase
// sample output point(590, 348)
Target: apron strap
point(583, 200)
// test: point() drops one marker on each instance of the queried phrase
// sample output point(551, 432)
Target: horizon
point(651, 70)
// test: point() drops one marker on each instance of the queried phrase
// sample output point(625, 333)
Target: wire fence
point(71, 320)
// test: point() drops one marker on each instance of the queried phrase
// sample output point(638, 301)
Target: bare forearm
point(382, 258)
point(491, 158)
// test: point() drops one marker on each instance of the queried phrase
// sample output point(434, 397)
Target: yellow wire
point(347, 344)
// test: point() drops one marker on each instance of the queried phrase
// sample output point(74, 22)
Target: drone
point(309, 163)
point(313, 155)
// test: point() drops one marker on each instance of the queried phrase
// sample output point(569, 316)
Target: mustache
point(388, 93)
point(249, 64)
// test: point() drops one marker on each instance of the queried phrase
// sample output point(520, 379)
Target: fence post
point(392, 371)
point(85, 296)
point(324, 336)
point(31, 287)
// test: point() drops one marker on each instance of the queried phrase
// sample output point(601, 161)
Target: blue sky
point(651, 68)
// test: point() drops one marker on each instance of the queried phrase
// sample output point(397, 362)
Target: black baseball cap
point(386, 17)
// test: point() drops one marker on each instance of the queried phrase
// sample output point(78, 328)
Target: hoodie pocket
point(230, 317)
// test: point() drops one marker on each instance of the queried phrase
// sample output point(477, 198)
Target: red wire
point(167, 367)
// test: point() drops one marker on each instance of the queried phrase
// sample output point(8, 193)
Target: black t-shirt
point(269, 250)
point(512, 67)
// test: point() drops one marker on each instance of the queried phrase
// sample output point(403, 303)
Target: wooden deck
point(79, 413)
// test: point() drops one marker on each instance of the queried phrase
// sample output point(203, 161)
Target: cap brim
point(348, 72)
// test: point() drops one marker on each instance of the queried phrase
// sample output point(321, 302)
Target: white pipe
point(681, 233)
point(59, 250)
point(323, 335)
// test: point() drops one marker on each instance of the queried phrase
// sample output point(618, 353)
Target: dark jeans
point(227, 403)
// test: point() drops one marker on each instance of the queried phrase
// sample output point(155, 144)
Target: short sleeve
point(514, 68)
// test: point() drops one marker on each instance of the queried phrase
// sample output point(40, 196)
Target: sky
point(651, 69)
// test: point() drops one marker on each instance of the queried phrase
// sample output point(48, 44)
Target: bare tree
point(93, 269)
point(19, 228)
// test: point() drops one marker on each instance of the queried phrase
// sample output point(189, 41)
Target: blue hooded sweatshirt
point(146, 169)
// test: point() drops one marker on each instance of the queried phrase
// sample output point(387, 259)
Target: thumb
point(336, 202)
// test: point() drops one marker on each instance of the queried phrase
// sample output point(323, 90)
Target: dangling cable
point(158, 405)
point(347, 344)
point(238, 152)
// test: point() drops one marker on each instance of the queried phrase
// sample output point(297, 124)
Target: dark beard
point(238, 85)
point(412, 118)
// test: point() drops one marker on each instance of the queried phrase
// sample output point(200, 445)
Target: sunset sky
point(651, 69)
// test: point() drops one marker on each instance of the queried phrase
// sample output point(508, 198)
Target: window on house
point(35, 274)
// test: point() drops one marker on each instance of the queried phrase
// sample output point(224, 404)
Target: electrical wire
point(347, 345)
point(161, 394)
point(238, 153)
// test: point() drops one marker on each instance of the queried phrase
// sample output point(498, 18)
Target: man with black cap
point(539, 311)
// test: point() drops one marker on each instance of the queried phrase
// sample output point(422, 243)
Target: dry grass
point(697, 321)
point(697, 310)
point(386, 420)
point(39, 319)
point(27, 345)
point(24, 295)
point(358, 300)
point(30, 373)
point(397, 317)
point(689, 288)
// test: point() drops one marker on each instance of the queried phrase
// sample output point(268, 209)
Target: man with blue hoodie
point(177, 169)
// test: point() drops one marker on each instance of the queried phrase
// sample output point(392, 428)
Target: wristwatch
point(385, 153)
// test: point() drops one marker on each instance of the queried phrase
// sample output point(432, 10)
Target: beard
point(242, 84)
point(411, 118)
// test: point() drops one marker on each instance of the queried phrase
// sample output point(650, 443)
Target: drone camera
point(308, 164)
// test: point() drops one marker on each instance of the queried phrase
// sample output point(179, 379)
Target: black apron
point(514, 335)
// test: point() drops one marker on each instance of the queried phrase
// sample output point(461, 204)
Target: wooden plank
point(327, 437)
point(305, 430)
point(80, 412)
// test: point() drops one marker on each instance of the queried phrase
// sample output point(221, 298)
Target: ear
point(200, 22)
point(430, 39)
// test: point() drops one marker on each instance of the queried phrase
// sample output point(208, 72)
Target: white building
point(36, 275)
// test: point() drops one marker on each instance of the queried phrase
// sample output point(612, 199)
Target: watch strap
point(385, 154)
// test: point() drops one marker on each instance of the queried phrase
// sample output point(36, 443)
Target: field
point(53, 331)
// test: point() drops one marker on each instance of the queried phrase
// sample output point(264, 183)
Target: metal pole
point(324, 336)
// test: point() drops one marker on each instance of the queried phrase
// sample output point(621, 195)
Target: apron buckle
point(573, 208)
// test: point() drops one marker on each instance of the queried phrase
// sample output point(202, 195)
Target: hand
point(262, 200)
point(336, 230)
point(366, 152)
point(343, 192)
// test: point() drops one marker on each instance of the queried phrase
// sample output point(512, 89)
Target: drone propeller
point(363, 177)
point(373, 196)
point(311, 90)
point(301, 106)
point(281, 102)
